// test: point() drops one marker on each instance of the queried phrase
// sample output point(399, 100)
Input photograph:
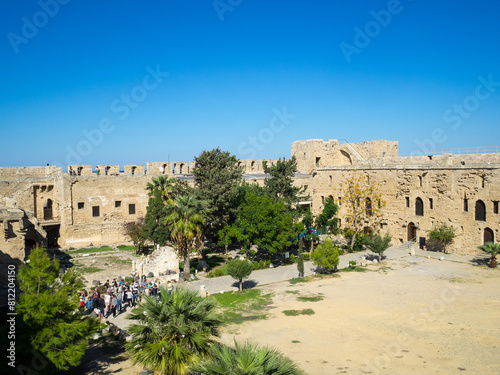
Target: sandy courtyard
point(411, 316)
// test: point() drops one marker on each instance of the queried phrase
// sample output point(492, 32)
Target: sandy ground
point(421, 316)
point(410, 315)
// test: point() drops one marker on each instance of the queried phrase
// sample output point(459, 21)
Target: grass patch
point(124, 262)
point(91, 250)
point(298, 312)
point(310, 299)
point(238, 307)
point(126, 247)
point(297, 280)
point(354, 269)
point(295, 341)
point(318, 276)
point(292, 291)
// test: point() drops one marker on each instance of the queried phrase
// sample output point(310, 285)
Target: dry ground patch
point(416, 316)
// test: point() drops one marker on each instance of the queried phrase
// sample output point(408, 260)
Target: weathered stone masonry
point(49, 206)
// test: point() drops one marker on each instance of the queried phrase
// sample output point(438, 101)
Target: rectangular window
point(495, 207)
point(340, 201)
point(318, 161)
point(95, 211)
point(466, 205)
point(331, 180)
point(407, 201)
point(81, 205)
point(131, 209)
point(431, 204)
point(118, 204)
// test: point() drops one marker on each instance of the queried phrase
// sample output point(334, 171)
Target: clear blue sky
point(404, 70)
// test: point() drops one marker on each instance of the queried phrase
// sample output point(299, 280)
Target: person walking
point(107, 303)
point(119, 301)
point(114, 303)
point(89, 305)
point(170, 287)
point(130, 298)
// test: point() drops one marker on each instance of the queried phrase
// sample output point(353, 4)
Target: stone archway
point(488, 235)
point(412, 232)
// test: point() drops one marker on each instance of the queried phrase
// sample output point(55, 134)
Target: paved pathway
point(283, 273)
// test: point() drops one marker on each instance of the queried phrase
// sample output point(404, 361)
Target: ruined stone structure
point(84, 206)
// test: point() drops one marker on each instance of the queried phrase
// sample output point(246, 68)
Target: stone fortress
point(79, 207)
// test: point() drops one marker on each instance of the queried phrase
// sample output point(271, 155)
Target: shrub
point(262, 265)
point(441, 237)
point(307, 256)
point(292, 258)
point(326, 257)
point(379, 244)
point(256, 265)
point(267, 264)
point(218, 272)
point(352, 263)
point(210, 275)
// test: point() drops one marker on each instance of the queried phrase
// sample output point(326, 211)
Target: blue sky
point(126, 82)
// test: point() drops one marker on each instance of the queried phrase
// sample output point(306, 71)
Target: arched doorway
point(419, 207)
point(47, 210)
point(412, 232)
point(489, 236)
point(480, 211)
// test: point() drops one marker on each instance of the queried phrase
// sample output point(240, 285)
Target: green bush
point(292, 258)
point(326, 256)
point(256, 265)
point(210, 275)
point(262, 265)
point(352, 263)
point(218, 272)
point(307, 256)
point(267, 264)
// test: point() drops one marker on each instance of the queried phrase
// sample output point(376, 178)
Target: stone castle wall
point(77, 209)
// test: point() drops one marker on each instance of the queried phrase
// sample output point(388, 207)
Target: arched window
point(419, 207)
point(133, 170)
point(79, 171)
point(106, 170)
point(489, 236)
point(369, 210)
point(164, 169)
point(420, 181)
point(480, 211)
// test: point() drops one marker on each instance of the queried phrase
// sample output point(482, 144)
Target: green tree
point(262, 222)
point(378, 244)
point(161, 187)
point(326, 256)
point(185, 222)
point(239, 269)
point(247, 359)
point(326, 221)
point(300, 261)
point(442, 237)
point(152, 229)
point(280, 185)
point(174, 332)
point(134, 230)
point(217, 176)
point(48, 306)
point(361, 203)
point(493, 249)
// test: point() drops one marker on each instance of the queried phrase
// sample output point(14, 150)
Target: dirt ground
point(407, 316)
point(411, 316)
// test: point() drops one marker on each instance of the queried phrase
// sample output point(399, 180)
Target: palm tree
point(248, 359)
point(173, 332)
point(185, 221)
point(493, 249)
point(163, 187)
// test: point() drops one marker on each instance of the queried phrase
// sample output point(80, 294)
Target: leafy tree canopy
point(239, 269)
point(48, 306)
point(325, 256)
point(326, 219)
point(280, 185)
point(378, 244)
point(442, 236)
point(217, 175)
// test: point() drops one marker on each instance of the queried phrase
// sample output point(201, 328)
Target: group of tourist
point(118, 295)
